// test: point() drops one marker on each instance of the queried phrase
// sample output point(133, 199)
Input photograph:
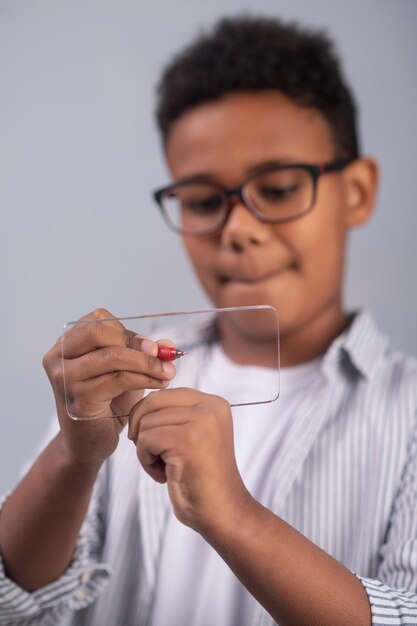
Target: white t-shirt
point(194, 584)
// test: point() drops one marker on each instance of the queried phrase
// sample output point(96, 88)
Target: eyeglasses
point(277, 194)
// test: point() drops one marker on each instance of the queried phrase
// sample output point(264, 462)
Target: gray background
point(79, 154)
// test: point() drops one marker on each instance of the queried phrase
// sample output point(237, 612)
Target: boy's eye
point(283, 192)
point(276, 194)
point(195, 206)
point(205, 204)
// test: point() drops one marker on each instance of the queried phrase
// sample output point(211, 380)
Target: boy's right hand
point(107, 369)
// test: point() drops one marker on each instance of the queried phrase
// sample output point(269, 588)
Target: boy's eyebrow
point(259, 167)
point(251, 169)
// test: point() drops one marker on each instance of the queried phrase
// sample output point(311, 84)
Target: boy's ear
point(361, 180)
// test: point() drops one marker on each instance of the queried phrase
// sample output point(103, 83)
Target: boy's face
point(296, 266)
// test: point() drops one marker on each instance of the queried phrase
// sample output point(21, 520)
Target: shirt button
point(79, 595)
point(85, 577)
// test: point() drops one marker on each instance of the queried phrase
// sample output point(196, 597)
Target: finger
point(173, 416)
point(166, 342)
point(180, 396)
point(89, 335)
point(134, 341)
point(96, 331)
point(90, 398)
point(152, 446)
point(139, 342)
point(109, 386)
point(117, 358)
point(103, 315)
point(152, 403)
point(64, 343)
point(122, 405)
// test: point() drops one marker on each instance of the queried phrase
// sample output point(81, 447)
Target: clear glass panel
point(252, 334)
point(281, 193)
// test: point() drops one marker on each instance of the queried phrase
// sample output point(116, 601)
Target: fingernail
point(149, 347)
point(168, 368)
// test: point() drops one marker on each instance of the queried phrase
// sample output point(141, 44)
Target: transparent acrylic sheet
point(195, 332)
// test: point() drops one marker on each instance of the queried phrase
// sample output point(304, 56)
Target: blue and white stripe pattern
point(346, 478)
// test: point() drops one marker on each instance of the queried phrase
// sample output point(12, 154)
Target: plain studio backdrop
point(80, 154)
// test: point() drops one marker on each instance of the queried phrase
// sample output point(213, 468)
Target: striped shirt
point(345, 476)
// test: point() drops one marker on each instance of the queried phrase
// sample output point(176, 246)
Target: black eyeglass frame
point(315, 171)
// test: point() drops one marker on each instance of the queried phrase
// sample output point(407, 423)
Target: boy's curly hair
point(250, 54)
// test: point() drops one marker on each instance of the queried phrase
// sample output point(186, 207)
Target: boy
point(300, 512)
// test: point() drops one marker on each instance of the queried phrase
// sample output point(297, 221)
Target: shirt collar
point(363, 345)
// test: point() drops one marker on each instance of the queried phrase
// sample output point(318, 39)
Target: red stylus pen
point(168, 353)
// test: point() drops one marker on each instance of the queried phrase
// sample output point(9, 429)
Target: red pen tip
point(168, 353)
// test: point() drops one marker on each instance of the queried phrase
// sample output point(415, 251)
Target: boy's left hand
point(185, 437)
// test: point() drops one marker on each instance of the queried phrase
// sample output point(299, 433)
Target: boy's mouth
point(225, 279)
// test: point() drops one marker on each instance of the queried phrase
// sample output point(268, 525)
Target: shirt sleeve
point(76, 588)
point(393, 596)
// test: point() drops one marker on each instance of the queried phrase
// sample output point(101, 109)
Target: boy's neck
point(296, 346)
point(313, 340)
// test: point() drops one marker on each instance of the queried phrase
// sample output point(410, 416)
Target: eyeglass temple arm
point(334, 166)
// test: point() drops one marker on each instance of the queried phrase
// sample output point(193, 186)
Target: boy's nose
point(243, 229)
